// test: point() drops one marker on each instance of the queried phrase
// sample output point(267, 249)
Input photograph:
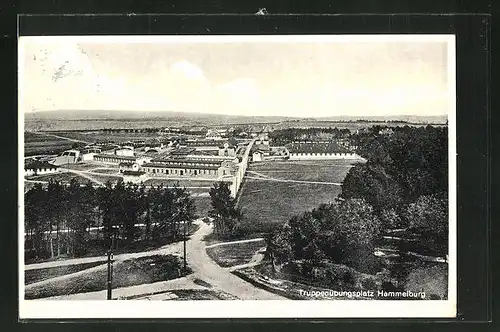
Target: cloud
point(328, 81)
point(57, 76)
point(187, 70)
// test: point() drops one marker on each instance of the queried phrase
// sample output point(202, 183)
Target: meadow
point(65, 177)
point(121, 137)
point(40, 144)
point(234, 254)
point(265, 201)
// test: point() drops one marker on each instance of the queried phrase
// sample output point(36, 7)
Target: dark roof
point(126, 163)
point(187, 160)
point(182, 151)
point(114, 156)
point(39, 165)
point(181, 165)
point(162, 155)
point(203, 142)
point(136, 173)
point(232, 141)
point(330, 147)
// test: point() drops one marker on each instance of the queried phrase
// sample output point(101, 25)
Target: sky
point(238, 77)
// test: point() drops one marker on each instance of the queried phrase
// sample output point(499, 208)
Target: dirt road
point(204, 268)
point(207, 270)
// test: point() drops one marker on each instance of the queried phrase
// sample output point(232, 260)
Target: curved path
point(203, 267)
point(207, 270)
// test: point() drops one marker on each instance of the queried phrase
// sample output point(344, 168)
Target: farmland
point(106, 171)
point(119, 137)
point(83, 166)
point(61, 176)
point(264, 200)
point(65, 177)
point(41, 144)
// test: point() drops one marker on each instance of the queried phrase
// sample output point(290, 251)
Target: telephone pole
point(184, 237)
point(110, 270)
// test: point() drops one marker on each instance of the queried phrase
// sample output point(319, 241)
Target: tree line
point(402, 187)
point(405, 180)
point(73, 219)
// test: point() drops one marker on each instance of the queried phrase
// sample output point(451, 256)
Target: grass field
point(106, 170)
point(67, 176)
point(235, 254)
point(32, 276)
point(61, 176)
point(313, 170)
point(40, 144)
point(92, 136)
point(105, 177)
point(126, 273)
point(264, 202)
point(83, 166)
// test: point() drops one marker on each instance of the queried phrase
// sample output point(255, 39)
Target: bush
point(322, 274)
point(433, 279)
point(247, 228)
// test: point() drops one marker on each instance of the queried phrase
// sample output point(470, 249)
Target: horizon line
point(242, 115)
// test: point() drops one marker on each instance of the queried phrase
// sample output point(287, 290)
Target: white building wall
point(257, 157)
point(125, 152)
point(43, 171)
point(88, 156)
point(47, 171)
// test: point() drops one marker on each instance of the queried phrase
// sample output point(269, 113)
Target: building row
point(304, 150)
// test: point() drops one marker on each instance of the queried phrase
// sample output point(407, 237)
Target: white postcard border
point(47, 309)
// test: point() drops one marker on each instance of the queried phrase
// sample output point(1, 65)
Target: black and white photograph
point(237, 176)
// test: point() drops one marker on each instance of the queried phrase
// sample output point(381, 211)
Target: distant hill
point(100, 119)
point(136, 115)
point(166, 115)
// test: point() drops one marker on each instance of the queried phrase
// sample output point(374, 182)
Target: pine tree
point(224, 211)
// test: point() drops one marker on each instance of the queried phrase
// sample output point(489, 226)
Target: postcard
point(272, 176)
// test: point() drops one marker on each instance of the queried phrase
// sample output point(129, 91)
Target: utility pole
point(184, 237)
point(110, 270)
